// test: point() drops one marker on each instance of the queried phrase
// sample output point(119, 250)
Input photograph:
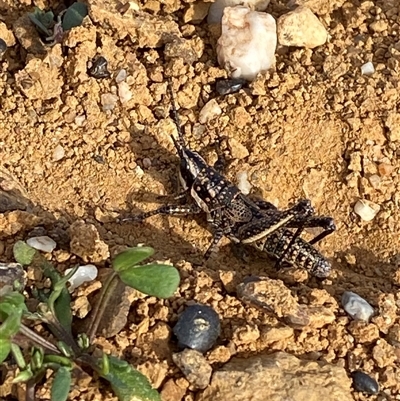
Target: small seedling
point(53, 30)
point(35, 354)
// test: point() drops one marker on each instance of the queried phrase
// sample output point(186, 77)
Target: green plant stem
point(30, 389)
point(61, 334)
point(91, 361)
point(105, 294)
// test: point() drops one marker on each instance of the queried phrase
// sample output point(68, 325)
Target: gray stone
point(277, 377)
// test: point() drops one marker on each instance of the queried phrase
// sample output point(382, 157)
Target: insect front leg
point(172, 210)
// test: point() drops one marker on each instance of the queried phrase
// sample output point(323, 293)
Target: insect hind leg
point(326, 223)
point(172, 210)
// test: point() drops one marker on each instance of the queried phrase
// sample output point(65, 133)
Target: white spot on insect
point(212, 192)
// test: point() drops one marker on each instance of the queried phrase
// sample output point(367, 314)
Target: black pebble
point(364, 383)
point(197, 328)
point(3, 46)
point(99, 69)
point(228, 86)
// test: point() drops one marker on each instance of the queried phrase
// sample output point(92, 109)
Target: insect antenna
point(178, 142)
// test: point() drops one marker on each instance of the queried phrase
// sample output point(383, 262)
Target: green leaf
point(152, 279)
point(11, 324)
point(57, 360)
point(61, 385)
point(43, 21)
point(18, 356)
point(74, 16)
point(128, 383)
point(14, 298)
point(37, 359)
point(11, 304)
point(59, 302)
point(23, 253)
point(23, 376)
point(5, 348)
point(131, 257)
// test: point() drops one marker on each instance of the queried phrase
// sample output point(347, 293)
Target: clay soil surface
point(314, 127)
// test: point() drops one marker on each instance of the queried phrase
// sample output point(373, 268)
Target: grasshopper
point(233, 215)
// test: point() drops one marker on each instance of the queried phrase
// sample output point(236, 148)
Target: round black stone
point(198, 328)
point(228, 86)
point(364, 383)
point(99, 68)
point(3, 46)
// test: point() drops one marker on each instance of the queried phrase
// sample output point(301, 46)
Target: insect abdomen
point(301, 254)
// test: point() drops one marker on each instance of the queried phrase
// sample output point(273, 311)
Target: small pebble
point(99, 159)
point(3, 47)
point(99, 69)
point(146, 162)
point(43, 243)
point(124, 92)
point(367, 68)
point(385, 169)
point(301, 28)
point(209, 111)
point(375, 181)
point(82, 275)
point(12, 276)
point(58, 153)
point(108, 101)
point(364, 383)
point(228, 86)
point(138, 171)
point(198, 130)
point(121, 76)
point(79, 120)
point(243, 182)
point(358, 308)
point(198, 328)
point(194, 366)
point(367, 210)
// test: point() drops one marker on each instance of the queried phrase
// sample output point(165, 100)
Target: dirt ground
point(313, 128)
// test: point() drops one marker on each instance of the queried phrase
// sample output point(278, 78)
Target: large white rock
point(248, 42)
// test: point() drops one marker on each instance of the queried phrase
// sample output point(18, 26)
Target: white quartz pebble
point(367, 68)
point(124, 92)
point(108, 101)
point(358, 308)
point(58, 153)
point(367, 210)
point(121, 76)
point(247, 43)
point(84, 274)
point(44, 243)
point(243, 182)
point(209, 111)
